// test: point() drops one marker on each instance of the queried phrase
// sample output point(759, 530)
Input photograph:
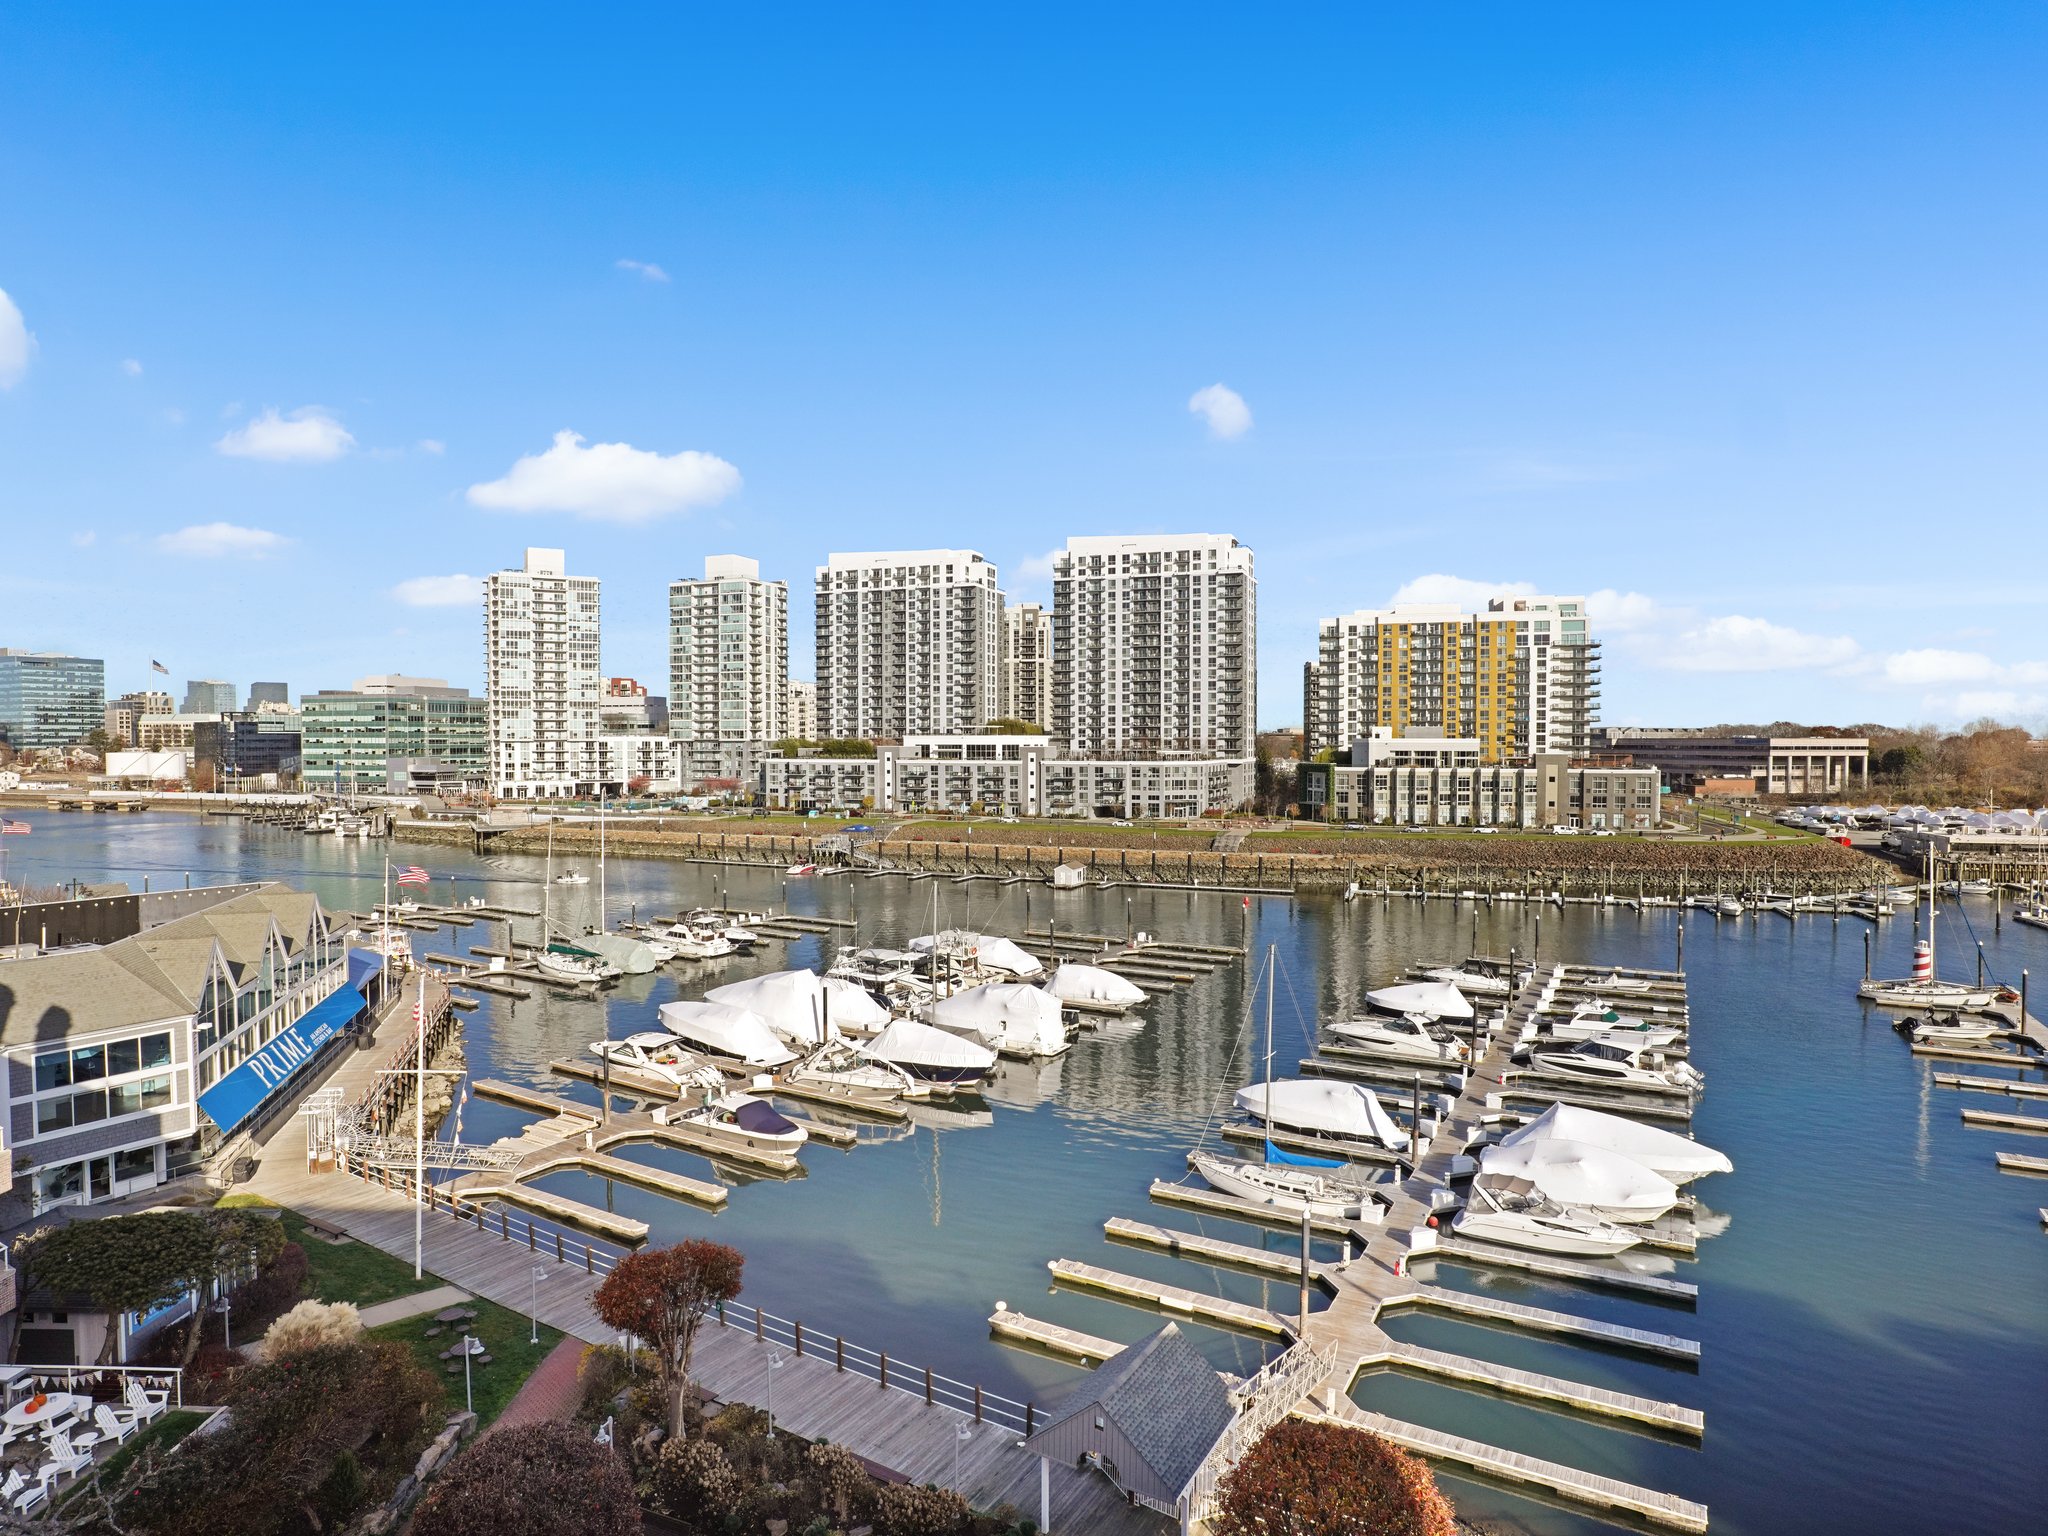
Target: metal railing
point(549, 1242)
point(938, 1391)
point(25, 1380)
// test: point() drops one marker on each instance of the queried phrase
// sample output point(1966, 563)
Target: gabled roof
point(1166, 1399)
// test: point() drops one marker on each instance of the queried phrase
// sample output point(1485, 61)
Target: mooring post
point(1980, 962)
point(1866, 954)
point(1302, 1332)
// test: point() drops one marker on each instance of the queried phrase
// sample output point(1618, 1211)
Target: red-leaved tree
point(1304, 1479)
point(661, 1296)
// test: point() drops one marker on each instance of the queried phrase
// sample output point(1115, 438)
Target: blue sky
point(1730, 316)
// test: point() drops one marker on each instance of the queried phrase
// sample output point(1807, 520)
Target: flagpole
point(419, 1129)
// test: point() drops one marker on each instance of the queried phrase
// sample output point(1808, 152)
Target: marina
point(1530, 1415)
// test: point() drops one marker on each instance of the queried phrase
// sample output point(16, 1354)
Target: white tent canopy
point(1077, 983)
point(1005, 1016)
point(792, 1003)
point(722, 1030)
point(1322, 1107)
point(1677, 1158)
point(990, 951)
point(1428, 999)
point(1589, 1178)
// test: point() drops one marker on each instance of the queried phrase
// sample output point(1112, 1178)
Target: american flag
point(18, 828)
point(157, 666)
point(461, 1098)
point(412, 874)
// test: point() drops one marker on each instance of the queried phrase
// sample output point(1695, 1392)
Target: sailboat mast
point(1268, 1138)
point(547, 890)
point(601, 925)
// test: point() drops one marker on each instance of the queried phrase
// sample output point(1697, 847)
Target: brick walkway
point(550, 1392)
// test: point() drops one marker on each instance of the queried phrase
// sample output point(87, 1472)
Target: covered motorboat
point(1423, 999)
point(931, 1055)
point(851, 1009)
point(1407, 1038)
point(1583, 1177)
point(1515, 1214)
point(726, 1034)
point(740, 1120)
point(988, 951)
point(1478, 983)
point(628, 954)
point(1009, 1018)
point(1090, 986)
point(1322, 1107)
point(792, 1003)
point(663, 1056)
point(1677, 1158)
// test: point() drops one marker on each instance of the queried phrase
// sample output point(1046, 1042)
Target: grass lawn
point(348, 1271)
point(161, 1436)
point(503, 1332)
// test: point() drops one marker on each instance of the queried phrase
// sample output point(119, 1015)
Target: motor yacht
point(1482, 983)
point(739, 1120)
point(661, 1055)
point(1407, 1038)
point(691, 943)
point(838, 1068)
point(1596, 1019)
point(1616, 1063)
point(1515, 1214)
point(572, 877)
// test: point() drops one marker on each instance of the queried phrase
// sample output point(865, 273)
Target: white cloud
point(215, 541)
point(1737, 643)
point(17, 343)
point(613, 481)
point(1460, 591)
point(1931, 668)
point(646, 269)
point(308, 435)
point(131, 367)
point(1223, 408)
point(432, 445)
point(439, 591)
point(85, 538)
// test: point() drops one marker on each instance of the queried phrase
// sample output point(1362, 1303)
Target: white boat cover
point(907, 1043)
point(628, 954)
point(792, 1003)
point(1005, 1016)
point(990, 951)
point(1323, 1107)
point(724, 1030)
point(850, 1005)
point(1430, 999)
point(1077, 983)
point(1578, 1174)
point(1677, 1158)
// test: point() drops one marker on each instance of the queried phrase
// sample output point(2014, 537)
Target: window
point(88, 1064)
point(53, 1070)
point(52, 1115)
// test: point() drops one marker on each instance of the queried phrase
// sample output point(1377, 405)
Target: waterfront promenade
point(892, 1426)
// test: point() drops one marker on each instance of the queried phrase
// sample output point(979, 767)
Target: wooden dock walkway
point(1992, 1120)
point(1210, 1250)
point(1238, 1316)
point(2017, 1088)
point(1493, 1312)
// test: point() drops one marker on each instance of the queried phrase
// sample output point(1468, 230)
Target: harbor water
point(1873, 1319)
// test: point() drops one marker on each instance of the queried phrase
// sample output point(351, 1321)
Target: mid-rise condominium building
point(48, 699)
point(1521, 677)
point(1025, 665)
point(545, 684)
point(907, 643)
point(728, 660)
point(1155, 645)
point(208, 696)
point(1425, 779)
point(803, 710)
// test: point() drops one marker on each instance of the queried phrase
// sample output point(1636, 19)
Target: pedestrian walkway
point(419, 1303)
point(551, 1393)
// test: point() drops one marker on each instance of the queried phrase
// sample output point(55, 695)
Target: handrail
point(68, 1377)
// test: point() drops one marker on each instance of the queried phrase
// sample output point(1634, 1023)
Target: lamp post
point(961, 1435)
point(774, 1365)
point(470, 1345)
point(533, 1302)
point(225, 1309)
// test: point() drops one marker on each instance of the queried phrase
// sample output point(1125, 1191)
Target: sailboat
point(1921, 989)
point(1334, 1191)
point(565, 962)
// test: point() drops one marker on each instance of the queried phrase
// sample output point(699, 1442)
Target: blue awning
point(238, 1095)
point(362, 965)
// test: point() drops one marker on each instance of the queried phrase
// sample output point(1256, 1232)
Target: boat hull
point(1509, 1231)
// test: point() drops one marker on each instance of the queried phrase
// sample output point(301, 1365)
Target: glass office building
point(350, 738)
point(50, 700)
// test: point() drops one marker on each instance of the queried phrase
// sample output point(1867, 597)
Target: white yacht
point(1952, 1029)
point(1482, 983)
point(572, 877)
point(690, 943)
point(1407, 1038)
point(1618, 1064)
point(738, 1119)
point(838, 1068)
point(1614, 981)
point(1512, 1212)
point(661, 1055)
point(1595, 1020)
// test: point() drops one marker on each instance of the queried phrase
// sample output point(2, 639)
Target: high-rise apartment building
point(544, 679)
point(48, 699)
point(1155, 645)
point(907, 643)
point(1024, 663)
point(803, 710)
point(208, 696)
point(1523, 676)
point(728, 659)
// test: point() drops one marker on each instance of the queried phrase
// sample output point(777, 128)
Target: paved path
point(550, 1394)
point(414, 1306)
